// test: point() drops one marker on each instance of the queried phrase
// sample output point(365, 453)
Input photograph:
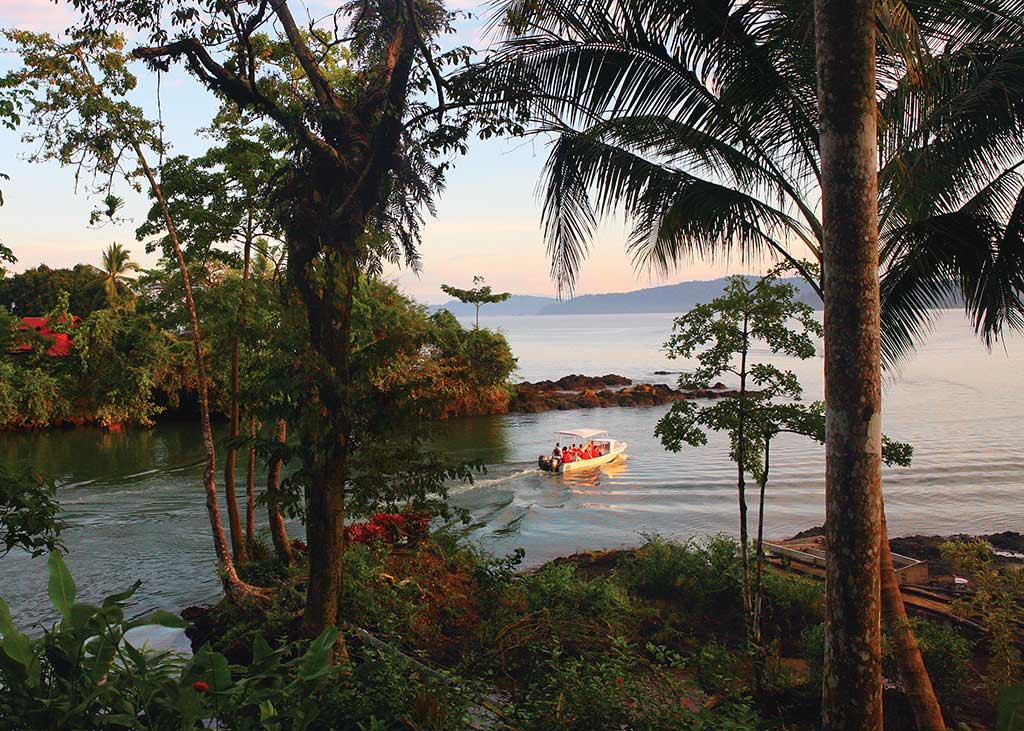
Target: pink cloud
point(38, 15)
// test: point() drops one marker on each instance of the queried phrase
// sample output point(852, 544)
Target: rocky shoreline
point(592, 392)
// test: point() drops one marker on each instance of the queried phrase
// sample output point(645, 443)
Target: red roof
point(61, 344)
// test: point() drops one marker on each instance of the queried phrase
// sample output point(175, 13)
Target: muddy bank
point(591, 392)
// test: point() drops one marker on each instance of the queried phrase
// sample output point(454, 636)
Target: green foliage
point(83, 674)
point(30, 397)
point(715, 668)
point(791, 604)
point(557, 589)
point(622, 690)
point(124, 363)
point(28, 513)
point(481, 294)
point(35, 292)
point(1011, 709)
point(120, 369)
point(947, 657)
point(720, 335)
point(705, 572)
point(116, 280)
point(996, 602)
point(946, 654)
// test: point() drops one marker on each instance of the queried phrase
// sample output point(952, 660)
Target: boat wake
point(491, 481)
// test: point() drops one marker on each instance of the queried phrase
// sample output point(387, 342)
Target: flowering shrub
point(391, 528)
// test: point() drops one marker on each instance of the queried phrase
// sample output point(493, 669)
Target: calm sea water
point(135, 504)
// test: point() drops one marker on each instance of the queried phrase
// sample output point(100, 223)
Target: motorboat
point(608, 450)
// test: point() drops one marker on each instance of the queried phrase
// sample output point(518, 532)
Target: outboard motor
point(548, 464)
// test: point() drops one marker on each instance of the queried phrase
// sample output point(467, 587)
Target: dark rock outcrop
point(591, 392)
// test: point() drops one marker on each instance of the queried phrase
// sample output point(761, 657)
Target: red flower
point(200, 687)
point(619, 681)
point(630, 704)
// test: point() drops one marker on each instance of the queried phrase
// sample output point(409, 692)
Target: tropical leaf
point(61, 588)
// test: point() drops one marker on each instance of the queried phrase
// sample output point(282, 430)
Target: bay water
point(135, 504)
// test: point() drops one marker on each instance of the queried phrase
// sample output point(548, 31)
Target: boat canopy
point(583, 433)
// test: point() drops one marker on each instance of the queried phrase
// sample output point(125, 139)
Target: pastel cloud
point(37, 15)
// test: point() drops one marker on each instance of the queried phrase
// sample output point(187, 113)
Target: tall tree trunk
point(250, 484)
point(330, 318)
point(238, 539)
point(845, 41)
point(742, 495)
point(917, 684)
point(278, 534)
point(759, 560)
point(235, 588)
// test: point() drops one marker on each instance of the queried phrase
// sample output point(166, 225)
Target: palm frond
point(973, 256)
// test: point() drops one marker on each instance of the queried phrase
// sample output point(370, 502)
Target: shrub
point(714, 668)
point(946, 655)
point(559, 589)
point(791, 604)
point(621, 691)
point(705, 573)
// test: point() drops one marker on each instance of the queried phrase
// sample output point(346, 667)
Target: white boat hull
point(582, 464)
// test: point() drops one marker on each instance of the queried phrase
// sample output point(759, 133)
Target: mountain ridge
point(674, 298)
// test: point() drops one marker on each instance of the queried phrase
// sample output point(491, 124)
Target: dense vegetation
point(128, 362)
point(444, 637)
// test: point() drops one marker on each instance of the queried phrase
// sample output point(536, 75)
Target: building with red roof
point(61, 342)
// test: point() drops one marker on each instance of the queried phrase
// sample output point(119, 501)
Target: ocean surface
point(135, 504)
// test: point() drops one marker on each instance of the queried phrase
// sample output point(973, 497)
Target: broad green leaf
point(260, 649)
point(316, 661)
point(220, 673)
point(267, 711)
point(160, 618)
point(62, 585)
point(18, 647)
point(121, 597)
point(6, 623)
point(1011, 709)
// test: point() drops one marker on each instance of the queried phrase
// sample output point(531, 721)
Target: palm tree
point(698, 122)
point(116, 265)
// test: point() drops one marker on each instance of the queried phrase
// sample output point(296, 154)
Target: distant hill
point(669, 298)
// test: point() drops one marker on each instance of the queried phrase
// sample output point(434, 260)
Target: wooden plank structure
point(806, 556)
point(811, 551)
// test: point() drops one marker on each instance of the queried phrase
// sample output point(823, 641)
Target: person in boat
point(566, 454)
point(557, 451)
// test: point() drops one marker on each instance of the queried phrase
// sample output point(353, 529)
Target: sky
point(487, 223)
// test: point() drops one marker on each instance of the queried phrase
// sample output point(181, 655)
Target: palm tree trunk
point(917, 684)
point(845, 42)
point(278, 534)
point(235, 588)
point(250, 485)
